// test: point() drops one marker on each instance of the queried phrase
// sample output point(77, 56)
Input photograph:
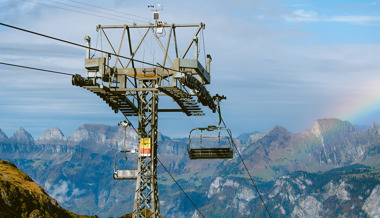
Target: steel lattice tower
point(135, 91)
point(146, 195)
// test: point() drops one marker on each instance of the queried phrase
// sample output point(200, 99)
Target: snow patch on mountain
point(281, 208)
point(287, 188)
point(372, 205)
point(309, 207)
point(338, 190)
point(217, 185)
point(242, 199)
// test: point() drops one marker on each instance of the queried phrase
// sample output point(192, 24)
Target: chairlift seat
point(125, 175)
point(211, 153)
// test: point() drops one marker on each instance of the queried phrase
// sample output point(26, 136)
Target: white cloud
point(355, 19)
point(304, 16)
point(312, 16)
point(60, 191)
point(64, 191)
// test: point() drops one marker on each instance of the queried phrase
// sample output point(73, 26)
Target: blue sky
point(282, 62)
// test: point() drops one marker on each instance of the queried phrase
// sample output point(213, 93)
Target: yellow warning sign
point(145, 147)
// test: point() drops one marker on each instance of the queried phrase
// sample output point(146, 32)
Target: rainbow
point(361, 106)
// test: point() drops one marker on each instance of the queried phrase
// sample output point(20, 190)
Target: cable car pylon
point(135, 91)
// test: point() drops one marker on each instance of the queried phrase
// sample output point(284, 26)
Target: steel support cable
point(74, 10)
point(249, 174)
point(180, 187)
point(108, 9)
point(83, 46)
point(33, 68)
point(74, 6)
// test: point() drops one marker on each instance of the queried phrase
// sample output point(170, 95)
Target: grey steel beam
point(138, 46)
point(167, 46)
point(149, 26)
point(162, 47)
point(191, 43)
point(170, 110)
point(132, 89)
point(121, 43)
point(175, 42)
point(110, 45)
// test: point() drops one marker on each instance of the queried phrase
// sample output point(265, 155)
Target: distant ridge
point(77, 170)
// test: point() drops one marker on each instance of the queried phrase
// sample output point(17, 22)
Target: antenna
point(156, 17)
point(156, 13)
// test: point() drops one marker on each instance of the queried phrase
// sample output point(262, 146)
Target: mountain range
point(296, 173)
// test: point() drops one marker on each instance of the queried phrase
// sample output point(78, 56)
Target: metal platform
point(188, 105)
point(211, 153)
point(115, 99)
point(174, 92)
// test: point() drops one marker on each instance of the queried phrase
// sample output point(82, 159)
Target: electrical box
point(145, 147)
point(95, 66)
point(160, 27)
point(156, 15)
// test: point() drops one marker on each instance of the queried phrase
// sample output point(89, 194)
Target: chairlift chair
point(124, 174)
point(221, 143)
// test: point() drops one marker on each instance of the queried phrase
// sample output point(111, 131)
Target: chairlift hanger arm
point(218, 98)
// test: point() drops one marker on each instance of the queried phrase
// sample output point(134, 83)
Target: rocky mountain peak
point(332, 126)
point(3, 137)
point(277, 130)
point(255, 137)
point(101, 136)
point(51, 135)
point(374, 130)
point(22, 136)
point(375, 126)
point(245, 137)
